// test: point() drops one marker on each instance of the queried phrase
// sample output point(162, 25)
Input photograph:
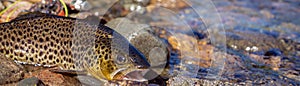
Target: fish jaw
point(137, 75)
point(131, 74)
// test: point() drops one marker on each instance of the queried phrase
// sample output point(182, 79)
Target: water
point(197, 37)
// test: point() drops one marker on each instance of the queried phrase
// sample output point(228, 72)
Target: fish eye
point(121, 59)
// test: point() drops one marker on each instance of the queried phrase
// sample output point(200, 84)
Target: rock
point(259, 43)
point(173, 42)
point(10, 71)
point(89, 80)
point(171, 4)
point(188, 45)
point(192, 50)
point(140, 36)
point(271, 62)
point(273, 52)
point(125, 83)
point(51, 78)
point(293, 74)
point(33, 81)
point(135, 5)
point(183, 81)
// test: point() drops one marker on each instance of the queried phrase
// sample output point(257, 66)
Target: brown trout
point(69, 44)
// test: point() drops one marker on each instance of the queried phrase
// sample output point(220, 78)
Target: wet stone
point(172, 4)
point(51, 78)
point(10, 71)
point(259, 43)
point(183, 81)
point(33, 81)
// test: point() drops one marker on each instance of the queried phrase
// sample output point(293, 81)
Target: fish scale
point(70, 44)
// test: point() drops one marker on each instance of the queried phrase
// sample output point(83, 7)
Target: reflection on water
point(256, 41)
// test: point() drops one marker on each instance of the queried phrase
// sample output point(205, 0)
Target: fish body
point(70, 44)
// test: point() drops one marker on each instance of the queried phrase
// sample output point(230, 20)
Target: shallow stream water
point(246, 42)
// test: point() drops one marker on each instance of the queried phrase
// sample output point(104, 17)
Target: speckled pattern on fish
point(70, 44)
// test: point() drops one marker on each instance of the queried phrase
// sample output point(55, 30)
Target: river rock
point(50, 78)
point(184, 81)
point(10, 71)
point(33, 81)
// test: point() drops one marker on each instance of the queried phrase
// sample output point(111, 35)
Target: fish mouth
point(137, 75)
point(131, 75)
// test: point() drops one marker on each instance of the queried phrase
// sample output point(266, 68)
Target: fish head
point(132, 58)
point(120, 59)
point(128, 60)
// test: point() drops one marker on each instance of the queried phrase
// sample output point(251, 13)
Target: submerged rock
point(183, 81)
point(259, 43)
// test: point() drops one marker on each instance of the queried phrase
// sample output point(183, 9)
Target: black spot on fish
point(47, 39)
point(47, 30)
point(21, 55)
point(32, 50)
point(41, 53)
point(26, 58)
point(1, 51)
point(57, 60)
point(20, 33)
point(16, 47)
point(55, 51)
point(61, 52)
point(45, 47)
point(5, 37)
point(31, 59)
point(35, 37)
point(41, 40)
point(18, 40)
point(50, 57)
point(106, 57)
point(13, 38)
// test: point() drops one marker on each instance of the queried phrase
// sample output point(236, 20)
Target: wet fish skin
point(70, 44)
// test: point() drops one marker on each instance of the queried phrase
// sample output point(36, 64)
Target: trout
point(70, 44)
